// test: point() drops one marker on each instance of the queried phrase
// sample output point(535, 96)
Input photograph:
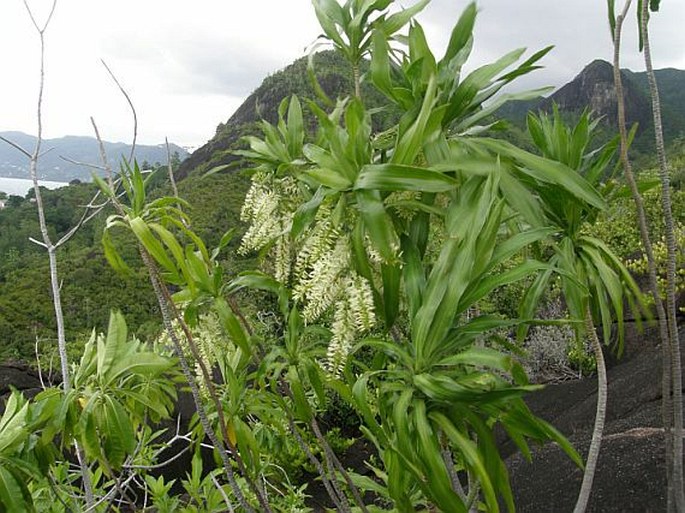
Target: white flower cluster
point(320, 275)
point(269, 207)
point(320, 241)
point(260, 210)
point(354, 314)
point(360, 299)
point(323, 282)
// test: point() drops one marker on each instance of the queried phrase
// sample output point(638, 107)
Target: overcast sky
point(188, 65)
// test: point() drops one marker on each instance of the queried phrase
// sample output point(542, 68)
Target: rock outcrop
point(631, 475)
point(594, 88)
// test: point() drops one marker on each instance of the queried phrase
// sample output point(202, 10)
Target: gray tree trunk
point(676, 369)
point(666, 403)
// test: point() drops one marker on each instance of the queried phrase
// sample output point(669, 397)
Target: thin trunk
point(595, 445)
point(666, 400)
point(317, 464)
point(328, 451)
point(676, 369)
point(167, 318)
point(52, 250)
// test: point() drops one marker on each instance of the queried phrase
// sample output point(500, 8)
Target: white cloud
point(188, 65)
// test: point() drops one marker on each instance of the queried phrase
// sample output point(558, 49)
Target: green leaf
point(118, 432)
point(378, 224)
point(398, 20)
point(430, 453)
point(482, 357)
point(548, 171)
point(153, 246)
point(495, 105)
point(410, 142)
point(461, 33)
point(330, 178)
point(140, 364)
point(413, 276)
point(261, 281)
point(295, 127)
point(480, 289)
point(391, 275)
point(170, 241)
point(362, 402)
point(12, 496)
point(113, 256)
point(471, 455)
point(117, 333)
point(393, 177)
point(306, 213)
point(232, 326)
point(302, 408)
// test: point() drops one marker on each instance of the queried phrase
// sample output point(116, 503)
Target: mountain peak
point(593, 88)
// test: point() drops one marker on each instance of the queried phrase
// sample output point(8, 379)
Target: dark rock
point(630, 475)
point(19, 376)
point(594, 88)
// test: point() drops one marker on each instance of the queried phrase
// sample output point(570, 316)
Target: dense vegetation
point(386, 268)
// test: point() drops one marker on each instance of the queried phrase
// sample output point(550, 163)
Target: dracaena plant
point(416, 215)
point(349, 27)
point(594, 282)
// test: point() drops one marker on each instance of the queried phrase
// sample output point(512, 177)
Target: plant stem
point(336, 462)
point(600, 415)
point(317, 464)
point(52, 249)
point(676, 369)
point(167, 317)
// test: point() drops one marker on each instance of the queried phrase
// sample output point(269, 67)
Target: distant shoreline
point(21, 186)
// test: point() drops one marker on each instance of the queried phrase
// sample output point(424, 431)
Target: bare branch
point(223, 494)
point(82, 164)
point(133, 110)
point(170, 168)
point(36, 241)
point(47, 21)
point(16, 146)
point(103, 155)
point(87, 216)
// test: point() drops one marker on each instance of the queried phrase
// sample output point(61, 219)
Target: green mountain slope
point(333, 74)
point(593, 88)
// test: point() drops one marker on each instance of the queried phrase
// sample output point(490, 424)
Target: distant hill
point(335, 77)
point(52, 165)
point(593, 88)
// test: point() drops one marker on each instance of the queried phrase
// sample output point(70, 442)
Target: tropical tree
point(594, 282)
point(414, 217)
point(668, 331)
